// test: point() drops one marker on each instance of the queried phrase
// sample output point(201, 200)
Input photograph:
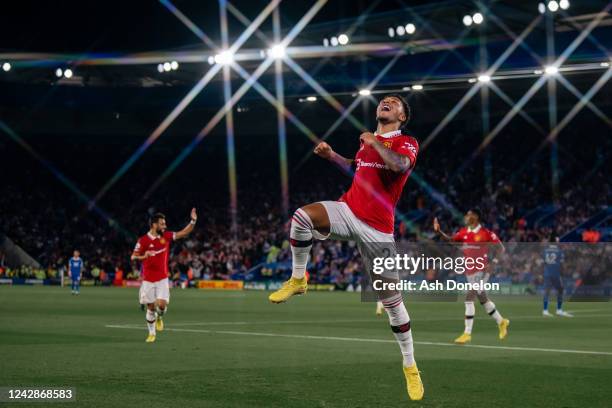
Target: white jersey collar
point(151, 236)
point(475, 230)
point(389, 134)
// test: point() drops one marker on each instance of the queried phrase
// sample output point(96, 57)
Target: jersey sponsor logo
point(361, 163)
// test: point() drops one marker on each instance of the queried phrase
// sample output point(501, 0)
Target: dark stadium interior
point(87, 128)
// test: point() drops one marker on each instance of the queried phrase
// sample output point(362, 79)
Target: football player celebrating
point(476, 240)
point(364, 214)
point(153, 250)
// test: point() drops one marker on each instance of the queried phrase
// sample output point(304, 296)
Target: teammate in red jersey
point(364, 214)
point(477, 240)
point(153, 249)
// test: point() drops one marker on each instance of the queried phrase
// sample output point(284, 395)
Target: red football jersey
point(155, 268)
point(476, 245)
point(376, 189)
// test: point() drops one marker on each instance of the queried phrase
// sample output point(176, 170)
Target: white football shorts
point(151, 291)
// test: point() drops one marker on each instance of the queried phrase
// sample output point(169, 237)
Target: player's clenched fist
point(323, 150)
point(367, 138)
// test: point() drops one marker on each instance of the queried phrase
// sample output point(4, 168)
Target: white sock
point(400, 325)
point(470, 311)
point(379, 306)
point(490, 308)
point(151, 315)
point(301, 242)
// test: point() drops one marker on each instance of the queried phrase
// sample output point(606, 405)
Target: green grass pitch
point(234, 349)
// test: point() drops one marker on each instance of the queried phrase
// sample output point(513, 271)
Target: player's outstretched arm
point(187, 230)
point(325, 151)
point(438, 230)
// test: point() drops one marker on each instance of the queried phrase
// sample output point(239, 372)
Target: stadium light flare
point(564, 4)
point(325, 42)
point(400, 30)
point(343, 39)
point(365, 92)
point(541, 8)
point(167, 66)
point(59, 73)
point(6, 67)
point(160, 68)
point(467, 20)
point(391, 32)
point(417, 87)
point(334, 41)
point(538, 72)
point(472, 80)
point(477, 18)
point(311, 98)
point(277, 51)
point(224, 58)
point(406, 88)
point(410, 28)
point(484, 78)
point(174, 65)
point(551, 70)
point(604, 64)
point(553, 6)
point(211, 60)
point(68, 73)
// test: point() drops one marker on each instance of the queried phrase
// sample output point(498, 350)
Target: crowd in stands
point(48, 221)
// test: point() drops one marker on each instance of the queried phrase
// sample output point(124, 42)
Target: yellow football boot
point(463, 339)
point(159, 324)
point(150, 338)
point(290, 288)
point(503, 328)
point(414, 383)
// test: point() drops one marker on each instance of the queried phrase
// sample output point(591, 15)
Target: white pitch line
point(357, 339)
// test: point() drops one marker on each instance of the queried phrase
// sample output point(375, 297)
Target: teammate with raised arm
point(476, 241)
point(153, 249)
point(364, 214)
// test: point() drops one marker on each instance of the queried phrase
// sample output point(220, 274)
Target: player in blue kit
point(75, 267)
point(553, 258)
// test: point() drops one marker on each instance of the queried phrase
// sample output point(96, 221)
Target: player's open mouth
point(386, 108)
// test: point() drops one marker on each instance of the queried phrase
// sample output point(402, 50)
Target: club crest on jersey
point(477, 238)
point(162, 241)
point(388, 144)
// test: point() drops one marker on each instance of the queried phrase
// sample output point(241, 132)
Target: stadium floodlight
point(400, 30)
point(472, 80)
point(604, 64)
point(160, 69)
point(406, 88)
point(551, 70)
point(538, 72)
point(224, 58)
point(59, 73)
point(167, 66)
point(417, 87)
point(174, 65)
point(541, 8)
point(410, 28)
point(68, 73)
point(484, 78)
point(6, 67)
point(467, 20)
point(477, 18)
point(391, 32)
point(334, 41)
point(325, 42)
point(365, 92)
point(564, 4)
point(211, 60)
point(343, 39)
point(277, 51)
point(311, 98)
point(553, 6)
